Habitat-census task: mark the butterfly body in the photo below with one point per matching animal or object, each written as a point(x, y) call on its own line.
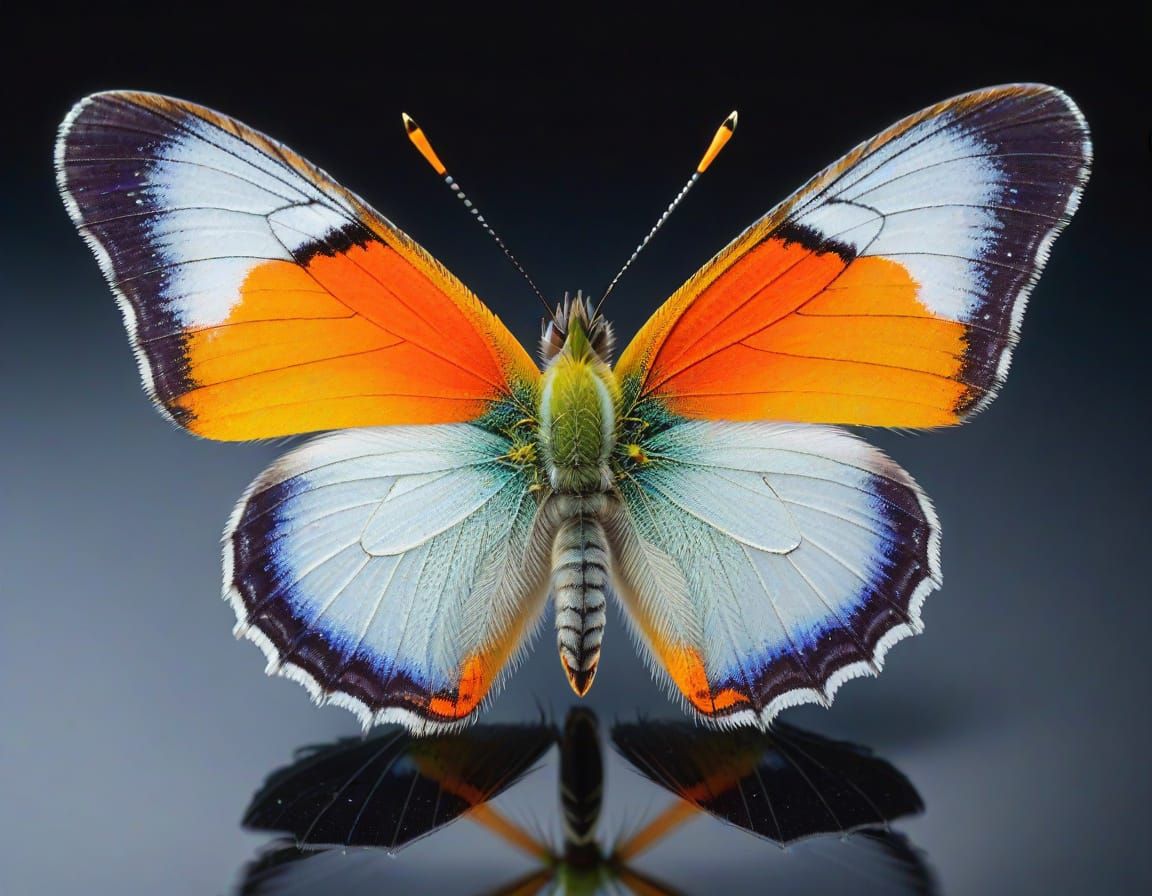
point(397, 563)
point(577, 435)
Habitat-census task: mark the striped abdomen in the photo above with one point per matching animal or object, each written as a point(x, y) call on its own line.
point(580, 568)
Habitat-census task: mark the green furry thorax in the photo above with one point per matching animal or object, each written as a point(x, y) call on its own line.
point(578, 422)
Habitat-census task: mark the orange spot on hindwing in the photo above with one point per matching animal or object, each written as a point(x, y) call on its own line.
point(687, 671)
point(474, 684)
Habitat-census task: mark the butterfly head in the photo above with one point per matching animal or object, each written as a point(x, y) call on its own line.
point(576, 329)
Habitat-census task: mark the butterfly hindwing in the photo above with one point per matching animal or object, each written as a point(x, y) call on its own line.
point(395, 571)
point(262, 298)
point(765, 564)
point(890, 289)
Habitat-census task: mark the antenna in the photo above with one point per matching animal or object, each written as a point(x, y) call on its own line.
point(420, 141)
point(722, 136)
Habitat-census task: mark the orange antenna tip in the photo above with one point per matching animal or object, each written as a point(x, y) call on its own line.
point(420, 141)
point(722, 136)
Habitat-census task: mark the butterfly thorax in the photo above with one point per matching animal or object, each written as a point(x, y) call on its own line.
point(578, 399)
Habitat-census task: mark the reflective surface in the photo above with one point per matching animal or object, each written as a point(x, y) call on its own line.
point(135, 729)
point(784, 786)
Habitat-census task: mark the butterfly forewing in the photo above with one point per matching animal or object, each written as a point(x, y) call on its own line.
point(889, 290)
point(262, 298)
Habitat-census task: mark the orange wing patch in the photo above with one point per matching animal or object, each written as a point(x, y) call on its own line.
point(358, 338)
point(789, 333)
point(479, 673)
point(686, 669)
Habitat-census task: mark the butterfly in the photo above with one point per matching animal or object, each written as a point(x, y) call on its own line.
point(398, 564)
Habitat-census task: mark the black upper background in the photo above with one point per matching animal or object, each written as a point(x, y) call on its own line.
point(135, 729)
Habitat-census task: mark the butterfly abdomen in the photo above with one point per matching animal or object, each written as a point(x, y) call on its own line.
point(580, 571)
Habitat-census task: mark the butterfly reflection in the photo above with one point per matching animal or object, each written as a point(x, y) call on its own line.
point(392, 789)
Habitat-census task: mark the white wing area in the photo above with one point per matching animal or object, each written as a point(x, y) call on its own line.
point(969, 202)
point(774, 624)
point(394, 571)
point(202, 201)
point(738, 503)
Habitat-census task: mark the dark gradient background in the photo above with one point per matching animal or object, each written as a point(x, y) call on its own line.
point(135, 728)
